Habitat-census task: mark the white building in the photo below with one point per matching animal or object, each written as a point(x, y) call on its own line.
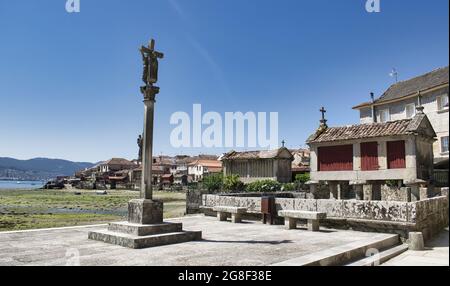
point(201, 168)
point(400, 102)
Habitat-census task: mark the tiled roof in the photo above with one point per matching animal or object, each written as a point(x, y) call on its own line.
point(394, 128)
point(412, 86)
point(207, 163)
point(270, 154)
point(118, 161)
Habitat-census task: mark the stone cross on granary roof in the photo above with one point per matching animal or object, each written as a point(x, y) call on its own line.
point(323, 121)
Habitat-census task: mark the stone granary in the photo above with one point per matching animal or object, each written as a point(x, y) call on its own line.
point(259, 165)
point(369, 156)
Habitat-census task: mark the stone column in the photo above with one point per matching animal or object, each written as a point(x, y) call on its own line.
point(415, 193)
point(359, 193)
point(423, 193)
point(146, 210)
point(367, 192)
point(147, 152)
point(333, 191)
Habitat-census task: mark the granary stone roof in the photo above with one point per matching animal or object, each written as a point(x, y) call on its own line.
point(419, 124)
point(412, 86)
point(282, 153)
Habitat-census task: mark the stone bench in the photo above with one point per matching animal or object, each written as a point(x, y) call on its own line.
point(236, 213)
point(313, 218)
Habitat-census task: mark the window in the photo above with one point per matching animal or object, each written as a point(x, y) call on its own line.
point(444, 144)
point(384, 115)
point(410, 110)
point(442, 102)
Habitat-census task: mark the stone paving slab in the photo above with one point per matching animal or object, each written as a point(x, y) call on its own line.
point(223, 244)
point(436, 254)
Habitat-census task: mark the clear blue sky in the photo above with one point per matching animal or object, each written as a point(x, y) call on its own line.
point(69, 83)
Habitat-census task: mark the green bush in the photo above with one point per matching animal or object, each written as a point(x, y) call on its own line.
point(289, 187)
point(213, 183)
point(302, 178)
point(263, 186)
point(232, 183)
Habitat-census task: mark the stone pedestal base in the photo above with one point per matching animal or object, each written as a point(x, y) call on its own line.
point(145, 228)
point(145, 211)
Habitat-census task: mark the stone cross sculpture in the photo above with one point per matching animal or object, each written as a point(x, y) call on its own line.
point(145, 226)
point(150, 58)
point(149, 77)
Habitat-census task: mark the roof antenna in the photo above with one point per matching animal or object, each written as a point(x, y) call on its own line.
point(394, 74)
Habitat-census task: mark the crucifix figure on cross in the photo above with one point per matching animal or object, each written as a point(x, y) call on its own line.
point(150, 58)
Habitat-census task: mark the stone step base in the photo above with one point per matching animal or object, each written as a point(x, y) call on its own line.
point(344, 254)
point(382, 257)
point(137, 242)
point(144, 230)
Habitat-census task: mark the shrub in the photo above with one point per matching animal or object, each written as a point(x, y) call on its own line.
point(263, 186)
point(213, 183)
point(289, 187)
point(302, 178)
point(232, 183)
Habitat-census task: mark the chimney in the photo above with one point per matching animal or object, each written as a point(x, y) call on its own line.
point(374, 113)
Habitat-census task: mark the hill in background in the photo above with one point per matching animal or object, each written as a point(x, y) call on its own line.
point(38, 168)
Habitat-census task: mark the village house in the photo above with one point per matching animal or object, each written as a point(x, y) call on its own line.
point(203, 167)
point(115, 164)
point(252, 166)
point(367, 156)
point(300, 164)
point(400, 101)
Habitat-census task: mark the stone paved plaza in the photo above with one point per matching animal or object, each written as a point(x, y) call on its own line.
point(224, 243)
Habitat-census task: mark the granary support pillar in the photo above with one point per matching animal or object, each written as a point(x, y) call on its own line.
point(333, 190)
point(367, 192)
point(358, 187)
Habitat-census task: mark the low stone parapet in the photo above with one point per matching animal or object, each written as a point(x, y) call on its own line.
point(428, 216)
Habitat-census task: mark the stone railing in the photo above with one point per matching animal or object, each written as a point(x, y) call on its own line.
point(428, 216)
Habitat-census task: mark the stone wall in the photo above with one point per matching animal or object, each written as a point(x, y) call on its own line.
point(396, 194)
point(429, 216)
point(194, 201)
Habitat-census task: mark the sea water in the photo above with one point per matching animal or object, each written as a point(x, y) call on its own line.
point(21, 184)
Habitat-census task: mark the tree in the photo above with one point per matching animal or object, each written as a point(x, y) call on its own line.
point(213, 183)
point(302, 178)
point(232, 183)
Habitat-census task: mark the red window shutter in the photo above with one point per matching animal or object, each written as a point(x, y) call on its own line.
point(396, 155)
point(369, 156)
point(336, 158)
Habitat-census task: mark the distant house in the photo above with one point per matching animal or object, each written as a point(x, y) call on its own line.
point(180, 179)
point(115, 164)
point(259, 165)
point(167, 179)
point(372, 154)
point(401, 99)
point(203, 167)
point(300, 164)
